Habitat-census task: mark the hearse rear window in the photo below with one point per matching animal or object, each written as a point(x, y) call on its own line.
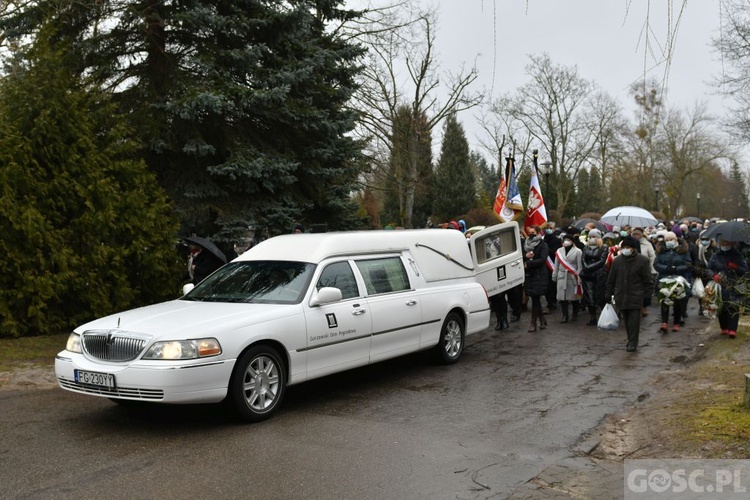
point(384, 275)
point(496, 244)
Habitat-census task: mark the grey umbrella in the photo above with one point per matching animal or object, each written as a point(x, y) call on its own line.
point(208, 245)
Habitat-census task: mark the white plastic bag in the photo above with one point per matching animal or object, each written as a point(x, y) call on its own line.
point(608, 319)
point(698, 289)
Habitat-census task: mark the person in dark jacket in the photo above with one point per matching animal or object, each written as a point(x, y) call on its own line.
point(706, 248)
point(537, 274)
point(201, 263)
point(691, 275)
point(728, 268)
point(594, 274)
point(672, 259)
point(553, 241)
point(628, 281)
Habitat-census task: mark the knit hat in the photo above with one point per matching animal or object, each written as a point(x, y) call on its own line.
point(669, 235)
point(629, 241)
point(595, 233)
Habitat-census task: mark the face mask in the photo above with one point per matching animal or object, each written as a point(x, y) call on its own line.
point(626, 251)
point(725, 248)
point(549, 231)
point(671, 244)
point(592, 242)
point(705, 243)
point(623, 233)
point(567, 243)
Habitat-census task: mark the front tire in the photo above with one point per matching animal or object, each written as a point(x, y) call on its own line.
point(258, 383)
point(452, 336)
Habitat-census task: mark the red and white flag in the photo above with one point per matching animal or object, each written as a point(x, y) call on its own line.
point(508, 204)
point(501, 198)
point(536, 213)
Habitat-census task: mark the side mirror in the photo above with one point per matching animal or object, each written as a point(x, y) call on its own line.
point(186, 288)
point(325, 295)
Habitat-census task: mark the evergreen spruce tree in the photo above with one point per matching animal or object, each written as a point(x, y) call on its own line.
point(488, 179)
point(454, 183)
point(86, 229)
point(739, 191)
point(240, 106)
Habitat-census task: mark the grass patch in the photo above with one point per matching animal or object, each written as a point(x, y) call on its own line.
point(712, 415)
point(30, 350)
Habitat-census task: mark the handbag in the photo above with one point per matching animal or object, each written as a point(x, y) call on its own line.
point(608, 319)
point(698, 289)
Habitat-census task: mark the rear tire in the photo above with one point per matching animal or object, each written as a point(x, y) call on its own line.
point(258, 383)
point(452, 336)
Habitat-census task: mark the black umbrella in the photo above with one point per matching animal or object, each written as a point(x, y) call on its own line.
point(581, 223)
point(692, 219)
point(208, 245)
point(729, 231)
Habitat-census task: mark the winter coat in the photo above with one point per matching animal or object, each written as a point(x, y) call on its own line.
point(647, 249)
point(594, 275)
point(630, 281)
point(537, 273)
point(673, 262)
point(567, 281)
point(732, 266)
point(204, 264)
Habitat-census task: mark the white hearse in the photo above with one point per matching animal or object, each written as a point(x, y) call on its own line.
point(293, 308)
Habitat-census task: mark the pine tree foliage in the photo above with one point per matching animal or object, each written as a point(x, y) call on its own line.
point(86, 229)
point(240, 104)
point(455, 182)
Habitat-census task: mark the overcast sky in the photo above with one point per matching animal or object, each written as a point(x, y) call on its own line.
point(605, 39)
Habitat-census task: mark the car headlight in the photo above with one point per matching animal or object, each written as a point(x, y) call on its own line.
point(74, 343)
point(184, 349)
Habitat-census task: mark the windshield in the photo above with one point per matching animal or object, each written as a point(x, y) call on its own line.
point(259, 281)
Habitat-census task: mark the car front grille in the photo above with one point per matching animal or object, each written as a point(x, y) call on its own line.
point(121, 392)
point(111, 345)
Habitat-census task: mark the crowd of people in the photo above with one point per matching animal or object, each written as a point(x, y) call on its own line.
point(582, 269)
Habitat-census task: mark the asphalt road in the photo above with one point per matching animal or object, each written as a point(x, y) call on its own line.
point(515, 405)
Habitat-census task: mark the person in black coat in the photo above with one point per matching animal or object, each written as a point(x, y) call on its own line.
point(672, 259)
point(201, 263)
point(594, 274)
point(728, 267)
point(537, 274)
point(554, 241)
point(628, 281)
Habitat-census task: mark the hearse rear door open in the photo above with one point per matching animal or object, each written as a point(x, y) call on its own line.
point(497, 257)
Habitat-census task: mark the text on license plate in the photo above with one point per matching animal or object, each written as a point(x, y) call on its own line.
point(94, 378)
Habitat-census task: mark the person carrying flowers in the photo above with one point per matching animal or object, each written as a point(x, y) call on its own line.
point(729, 268)
point(673, 266)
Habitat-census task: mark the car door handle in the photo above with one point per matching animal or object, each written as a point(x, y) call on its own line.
point(411, 302)
point(358, 312)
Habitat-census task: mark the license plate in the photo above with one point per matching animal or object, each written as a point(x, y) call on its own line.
point(94, 378)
